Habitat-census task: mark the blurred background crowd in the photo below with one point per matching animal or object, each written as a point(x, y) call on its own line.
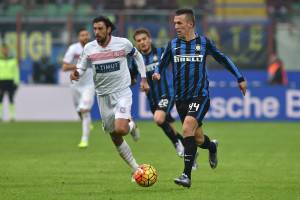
point(261, 36)
point(38, 31)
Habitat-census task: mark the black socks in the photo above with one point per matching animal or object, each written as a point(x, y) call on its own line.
point(169, 132)
point(190, 149)
point(208, 145)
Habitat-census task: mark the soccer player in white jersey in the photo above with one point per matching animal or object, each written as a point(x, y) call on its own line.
point(83, 91)
point(107, 56)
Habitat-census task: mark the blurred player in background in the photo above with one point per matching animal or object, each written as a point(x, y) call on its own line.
point(161, 94)
point(276, 71)
point(83, 90)
point(108, 57)
point(9, 79)
point(188, 52)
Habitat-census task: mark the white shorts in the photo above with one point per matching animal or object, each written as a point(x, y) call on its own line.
point(114, 106)
point(83, 97)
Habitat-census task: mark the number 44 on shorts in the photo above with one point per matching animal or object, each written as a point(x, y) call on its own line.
point(194, 107)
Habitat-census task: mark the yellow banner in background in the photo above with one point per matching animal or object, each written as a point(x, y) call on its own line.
point(35, 44)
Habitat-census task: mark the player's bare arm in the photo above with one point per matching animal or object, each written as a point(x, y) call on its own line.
point(243, 87)
point(68, 66)
point(144, 85)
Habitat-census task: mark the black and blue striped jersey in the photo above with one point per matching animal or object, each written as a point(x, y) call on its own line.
point(188, 60)
point(158, 89)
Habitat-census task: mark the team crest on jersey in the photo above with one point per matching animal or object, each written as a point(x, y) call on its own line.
point(122, 110)
point(155, 58)
point(198, 47)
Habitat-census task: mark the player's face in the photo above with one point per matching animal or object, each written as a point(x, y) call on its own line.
point(84, 37)
point(101, 32)
point(182, 25)
point(143, 42)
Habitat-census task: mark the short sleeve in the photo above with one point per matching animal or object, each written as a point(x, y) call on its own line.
point(129, 48)
point(69, 55)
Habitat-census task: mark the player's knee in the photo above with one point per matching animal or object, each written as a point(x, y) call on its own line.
point(159, 117)
point(159, 120)
point(187, 131)
point(83, 111)
point(189, 127)
point(122, 130)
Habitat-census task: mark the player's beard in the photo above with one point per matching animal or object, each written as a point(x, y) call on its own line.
point(84, 42)
point(103, 41)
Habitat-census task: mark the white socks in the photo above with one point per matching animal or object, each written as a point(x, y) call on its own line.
point(125, 152)
point(86, 126)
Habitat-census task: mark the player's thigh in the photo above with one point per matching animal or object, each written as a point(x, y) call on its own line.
point(198, 108)
point(87, 99)
point(159, 116)
point(189, 126)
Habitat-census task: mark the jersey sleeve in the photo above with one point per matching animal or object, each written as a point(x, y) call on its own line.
point(82, 63)
point(165, 59)
point(69, 55)
point(223, 59)
point(130, 50)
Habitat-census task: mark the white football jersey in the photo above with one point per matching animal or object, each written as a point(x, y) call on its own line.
point(72, 56)
point(109, 63)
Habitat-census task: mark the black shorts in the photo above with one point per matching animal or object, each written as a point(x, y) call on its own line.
point(7, 86)
point(166, 105)
point(196, 107)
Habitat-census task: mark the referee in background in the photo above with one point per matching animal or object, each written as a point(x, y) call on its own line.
point(9, 80)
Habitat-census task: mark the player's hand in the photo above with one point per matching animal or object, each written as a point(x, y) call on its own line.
point(144, 85)
point(74, 76)
point(133, 81)
point(156, 76)
point(243, 87)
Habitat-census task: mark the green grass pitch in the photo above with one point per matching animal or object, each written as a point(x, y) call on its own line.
point(41, 161)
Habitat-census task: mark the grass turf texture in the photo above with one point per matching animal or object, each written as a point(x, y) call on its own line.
point(42, 161)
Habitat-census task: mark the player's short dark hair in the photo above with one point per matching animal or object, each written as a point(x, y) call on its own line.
point(188, 12)
point(80, 30)
point(141, 31)
point(106, 21)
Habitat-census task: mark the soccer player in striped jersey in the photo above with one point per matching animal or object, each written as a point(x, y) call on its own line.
point(83, 91)
point(107, 55)
point(161, 94)
point(187, 53)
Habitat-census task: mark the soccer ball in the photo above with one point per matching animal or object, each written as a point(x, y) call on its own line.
point(145, 175)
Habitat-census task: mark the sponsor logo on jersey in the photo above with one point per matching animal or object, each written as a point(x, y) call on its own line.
point(151, 67)
point(188, 58)
point(107, 67)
